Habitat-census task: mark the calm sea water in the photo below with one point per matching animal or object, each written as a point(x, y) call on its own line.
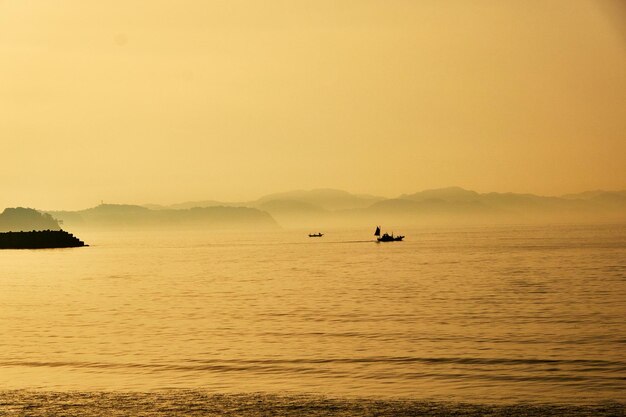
point(495, 315)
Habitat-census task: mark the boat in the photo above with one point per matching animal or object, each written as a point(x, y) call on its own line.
point(320, 234)
point(390, 238)
point(386, 237)
point(39, 239)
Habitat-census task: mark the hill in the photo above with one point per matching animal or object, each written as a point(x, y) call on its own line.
point(119, 216)
point(324, 198)
point(26, 219)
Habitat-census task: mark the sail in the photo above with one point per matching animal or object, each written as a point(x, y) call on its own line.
point(377, 233)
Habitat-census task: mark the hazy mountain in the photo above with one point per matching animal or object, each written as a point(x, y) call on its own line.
point(294, 213)
point(459, 205)
point(618, 197)
point(222, 217)
point(327, 199)
point(205, 203)
point(451, 194)
point(431, 206)
point(155, 206)
point(321, 208)
point(300, 208)
point(524, 202)
point(282, 206)
point(599, 196)
point(195, 204)
point(434, 211)
point(455, 205)
point(26, 219)
point(588, 195)
point(116, 216)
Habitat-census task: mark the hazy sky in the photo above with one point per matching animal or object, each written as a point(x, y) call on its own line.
point(166, 101)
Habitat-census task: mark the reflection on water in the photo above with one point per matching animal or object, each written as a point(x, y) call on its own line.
point(496, 315)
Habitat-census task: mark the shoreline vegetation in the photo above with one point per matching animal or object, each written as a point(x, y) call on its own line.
point(200, 403)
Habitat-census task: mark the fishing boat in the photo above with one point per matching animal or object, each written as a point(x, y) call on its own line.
point(387, 237)
point(320, 234)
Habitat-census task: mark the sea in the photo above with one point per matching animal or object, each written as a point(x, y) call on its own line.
point(485, 320)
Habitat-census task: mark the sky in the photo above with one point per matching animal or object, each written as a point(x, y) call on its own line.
point(128, 101)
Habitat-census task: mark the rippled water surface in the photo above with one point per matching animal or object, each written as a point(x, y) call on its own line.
point(495, 315)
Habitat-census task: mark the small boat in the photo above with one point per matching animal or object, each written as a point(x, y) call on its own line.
point(387, 237)
point(320, 234)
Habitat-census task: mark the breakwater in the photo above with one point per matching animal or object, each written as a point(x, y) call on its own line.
point(39, 239)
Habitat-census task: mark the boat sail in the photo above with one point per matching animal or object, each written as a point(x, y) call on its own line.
point(377, 232)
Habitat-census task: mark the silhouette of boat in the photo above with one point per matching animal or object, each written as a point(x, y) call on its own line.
point(387, 237)
point(316, 234)
point(39, 239)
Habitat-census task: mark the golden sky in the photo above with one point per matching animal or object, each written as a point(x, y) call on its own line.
point(163, 101)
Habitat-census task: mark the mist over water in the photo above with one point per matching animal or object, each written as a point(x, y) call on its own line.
point(496, 315)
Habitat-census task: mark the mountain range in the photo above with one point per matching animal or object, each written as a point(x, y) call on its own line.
point(455, 205)
point(323, 208)
point(123, 216)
